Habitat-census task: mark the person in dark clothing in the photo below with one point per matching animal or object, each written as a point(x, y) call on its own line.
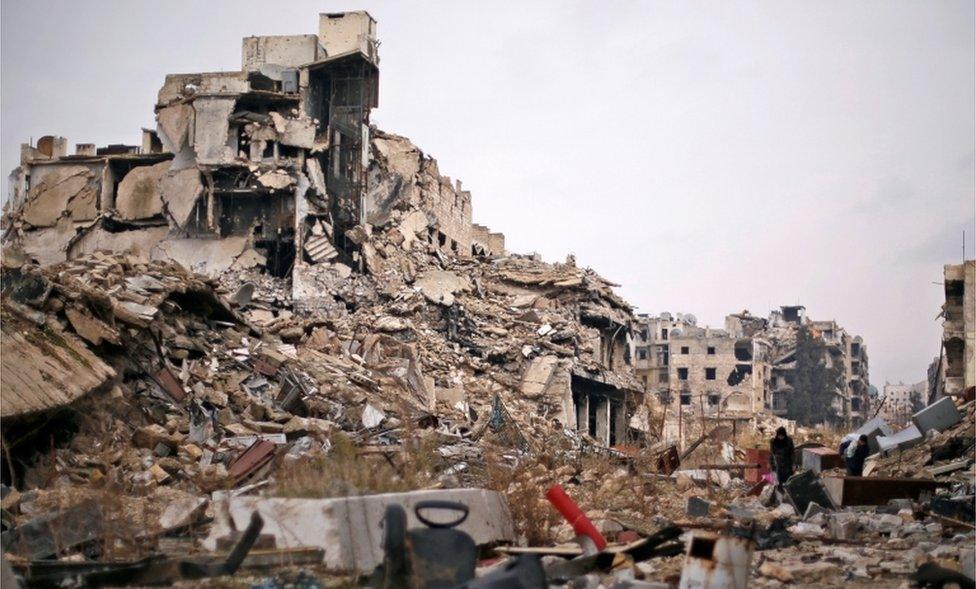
point(781, 455)
point(855, 460)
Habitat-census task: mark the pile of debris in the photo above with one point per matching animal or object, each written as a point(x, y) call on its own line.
point(194, 403)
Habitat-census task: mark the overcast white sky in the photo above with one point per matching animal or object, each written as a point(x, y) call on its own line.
point(708, 156)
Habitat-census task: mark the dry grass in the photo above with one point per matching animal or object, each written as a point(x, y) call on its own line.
point(345, 471)
point(524, 485)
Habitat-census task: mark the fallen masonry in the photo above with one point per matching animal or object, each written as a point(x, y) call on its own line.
point(270, 345)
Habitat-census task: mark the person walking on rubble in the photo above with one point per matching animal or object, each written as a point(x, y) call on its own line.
point(854, 456)
point(781, 455)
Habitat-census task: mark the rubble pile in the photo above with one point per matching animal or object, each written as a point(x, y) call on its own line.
point(187, 387)
point(942, 455)
point(268, 343)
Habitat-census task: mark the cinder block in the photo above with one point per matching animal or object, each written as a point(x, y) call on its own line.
point(939, 416)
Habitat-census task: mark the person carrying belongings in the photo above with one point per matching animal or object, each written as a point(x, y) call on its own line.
point(781, 455)
point(845, 442)
point(854, 456)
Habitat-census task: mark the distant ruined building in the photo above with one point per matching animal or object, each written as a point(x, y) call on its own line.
point(953, 373)
point(735, 374)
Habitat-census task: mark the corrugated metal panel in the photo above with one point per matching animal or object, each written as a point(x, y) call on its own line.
point(44, 368)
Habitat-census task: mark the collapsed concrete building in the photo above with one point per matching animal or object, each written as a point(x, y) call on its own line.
point(851, 402)
point(277, 159)
point(271, 181)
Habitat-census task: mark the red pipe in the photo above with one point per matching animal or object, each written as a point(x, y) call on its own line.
point(575, 516)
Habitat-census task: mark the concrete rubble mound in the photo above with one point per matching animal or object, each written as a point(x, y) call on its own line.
point(270, 345)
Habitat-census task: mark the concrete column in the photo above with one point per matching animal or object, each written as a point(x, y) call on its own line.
point(582, 413)
point(602, 420)
point(619, 422)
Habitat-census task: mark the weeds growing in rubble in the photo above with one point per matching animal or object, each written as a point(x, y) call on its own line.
point(345, 470)
point(524, 484)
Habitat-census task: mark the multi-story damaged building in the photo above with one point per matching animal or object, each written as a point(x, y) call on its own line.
point(700, 373)
point(652, 348)
point(274, 165)
point(954, 372)
point(273, 175)
point(901, 401)
point(851, 402)
point(746, 369)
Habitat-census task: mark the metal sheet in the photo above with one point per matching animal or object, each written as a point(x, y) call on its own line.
point(167, 381)
point(258, 454)
point(846, 491)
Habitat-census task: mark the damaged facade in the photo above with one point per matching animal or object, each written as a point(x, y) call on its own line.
point(742, 372)
point(954, 372)
point(271, 181)
point(902, 400)
point(273, 166)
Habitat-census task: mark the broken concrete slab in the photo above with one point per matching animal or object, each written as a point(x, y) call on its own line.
point(182, 512)
point(210, 129)
point(411, 225)
point(174, 125)
point(179, 191)
point(50, 245)
point(134, 313)
point(350, 528)
point(50, 197)
point(209, 257)
point(276, 180)
point(45, 371)
point(537, 375)
point(137, 196)
point(872, 429)
point(906, 438)
point(136, 242)
point(294, 132)
point(439, 286)
point(90, 328)
point(938, 416)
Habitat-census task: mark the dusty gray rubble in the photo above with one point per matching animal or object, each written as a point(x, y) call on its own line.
point(236, 349)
